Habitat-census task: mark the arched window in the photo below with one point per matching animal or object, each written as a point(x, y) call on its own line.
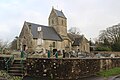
point(53, 44)
point(84, 47)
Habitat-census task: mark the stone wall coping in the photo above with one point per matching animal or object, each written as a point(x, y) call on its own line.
point(105, 52)
point(73, 58)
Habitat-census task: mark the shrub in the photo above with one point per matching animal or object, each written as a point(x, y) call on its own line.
point(102, 48)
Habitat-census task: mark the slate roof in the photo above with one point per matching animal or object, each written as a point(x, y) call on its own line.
point(59, 13)
point(77, 42)
point(49, 33)
point(75, 38)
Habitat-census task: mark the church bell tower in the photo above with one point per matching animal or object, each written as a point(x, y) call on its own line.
point(58, 21)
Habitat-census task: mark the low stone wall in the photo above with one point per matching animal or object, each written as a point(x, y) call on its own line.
point(52, 68)
point(68, 68)
point(108, 63)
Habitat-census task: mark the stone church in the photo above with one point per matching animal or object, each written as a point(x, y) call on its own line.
point(34, 37)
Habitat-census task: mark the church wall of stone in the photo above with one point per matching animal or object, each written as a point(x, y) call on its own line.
point(47, 44)
point(66, 45)
point(34, 43)
point(83, 46)
point(25, 38)
point(60, 25)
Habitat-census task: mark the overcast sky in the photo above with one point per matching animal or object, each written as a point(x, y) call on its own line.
point(90, 16)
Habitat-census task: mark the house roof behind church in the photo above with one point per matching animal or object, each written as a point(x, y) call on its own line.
point(59, 13)
point(48, 32)
point(76, 38)
point(77, 41)
point(73, 36)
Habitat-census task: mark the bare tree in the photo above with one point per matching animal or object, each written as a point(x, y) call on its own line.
point(74, 30)
point(112, 34)
point(3, 45)
point(13, 45)
point(111, 37)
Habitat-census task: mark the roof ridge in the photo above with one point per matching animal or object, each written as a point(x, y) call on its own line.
point(57, 10)
point(59, 13)
point(37, 24)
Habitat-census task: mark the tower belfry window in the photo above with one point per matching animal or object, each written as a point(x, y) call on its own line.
point(52, 21)
point(62, 22)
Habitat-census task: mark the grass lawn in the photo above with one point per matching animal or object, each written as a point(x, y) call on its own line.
point(110, 72)
point(5, 75)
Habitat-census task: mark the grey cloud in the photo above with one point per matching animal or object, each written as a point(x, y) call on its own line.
point(90, 16)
